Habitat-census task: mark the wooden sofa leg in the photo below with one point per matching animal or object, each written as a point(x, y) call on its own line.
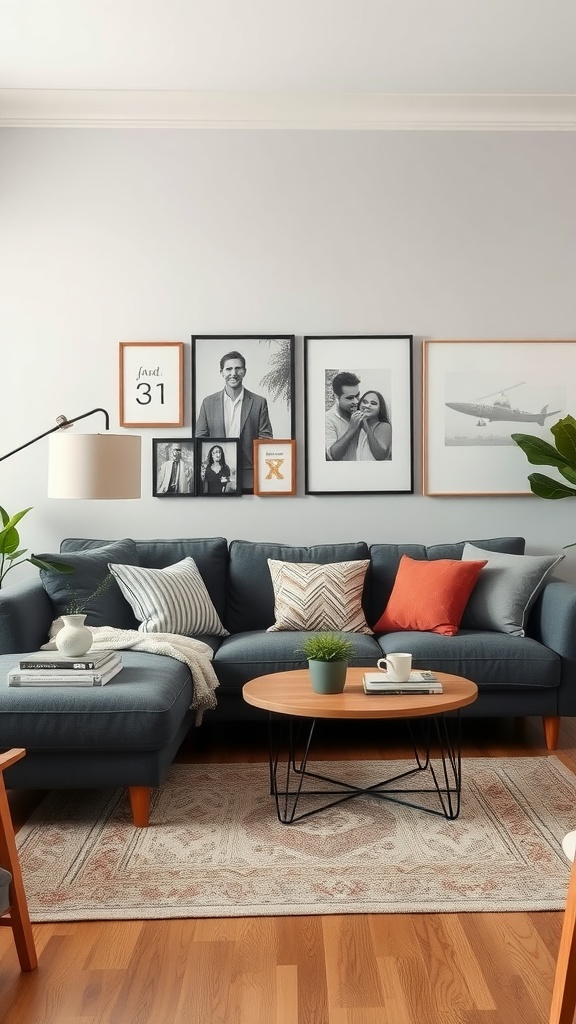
point(140, 804)
point(551, 725)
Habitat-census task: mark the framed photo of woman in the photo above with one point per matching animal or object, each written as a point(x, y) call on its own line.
point(218, 467)
point(358, 414)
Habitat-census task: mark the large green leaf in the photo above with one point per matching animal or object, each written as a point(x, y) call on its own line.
point(42, 563)
point(539, 452)
point(9, 540)
point(565, 437)
point(569, 474)
point(546, 487)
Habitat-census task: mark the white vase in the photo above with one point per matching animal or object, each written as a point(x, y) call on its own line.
point(74, 639)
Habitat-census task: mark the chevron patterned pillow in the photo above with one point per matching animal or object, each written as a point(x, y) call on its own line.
point(325, 597)
point(171, 600)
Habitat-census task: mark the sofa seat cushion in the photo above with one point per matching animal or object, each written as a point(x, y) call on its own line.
point(141, 708)
point(256, 653)
point(488, 659)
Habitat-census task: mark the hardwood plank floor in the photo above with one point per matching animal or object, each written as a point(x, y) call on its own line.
point(351, 969)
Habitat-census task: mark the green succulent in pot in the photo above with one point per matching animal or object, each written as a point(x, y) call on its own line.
point(11, 554)
point(561, 455)
point(328, 655)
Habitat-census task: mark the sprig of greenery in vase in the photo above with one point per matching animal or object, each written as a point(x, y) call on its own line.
point(77, 605)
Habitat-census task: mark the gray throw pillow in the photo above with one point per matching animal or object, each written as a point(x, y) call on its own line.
point(505, 589)
point(103, 603)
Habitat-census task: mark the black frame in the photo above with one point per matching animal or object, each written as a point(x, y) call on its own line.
point(384, 363)
point(158, 443)
point(272, 353)
point(229, 445)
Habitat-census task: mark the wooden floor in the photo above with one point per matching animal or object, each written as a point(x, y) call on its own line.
point(374, 969)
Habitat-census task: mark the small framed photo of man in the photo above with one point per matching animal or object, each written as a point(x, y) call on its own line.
point(358, 414)
point(219, 467)
point(243, 386)
point(173, 467)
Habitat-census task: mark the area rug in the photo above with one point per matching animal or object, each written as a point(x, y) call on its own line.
point(214, 847)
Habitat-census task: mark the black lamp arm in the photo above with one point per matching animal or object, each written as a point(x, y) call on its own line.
point(61, 423)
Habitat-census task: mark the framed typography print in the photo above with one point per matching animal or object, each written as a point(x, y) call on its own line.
point(151, 384)
point(218, 467)
point(476, 395)
point(173, 467)
point(358, 414)
point(243, 386)
point(274, 468)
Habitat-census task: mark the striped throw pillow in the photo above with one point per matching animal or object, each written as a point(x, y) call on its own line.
point(325, 597)
point(171, 600)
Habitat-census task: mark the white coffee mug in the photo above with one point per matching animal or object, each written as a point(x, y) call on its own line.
point(397, 667)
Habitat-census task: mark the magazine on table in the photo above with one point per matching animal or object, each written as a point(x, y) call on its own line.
point(421, 681)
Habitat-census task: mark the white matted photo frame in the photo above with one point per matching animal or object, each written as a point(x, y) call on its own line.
point(218, 467)
point(173, 467)
point(476, 394)
point(274, 468)
point(261, 365)
point(358, 414)
point(151, 383)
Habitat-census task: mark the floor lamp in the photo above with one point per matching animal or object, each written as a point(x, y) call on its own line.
point(90, 465)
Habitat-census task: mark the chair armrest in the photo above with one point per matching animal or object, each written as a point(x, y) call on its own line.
point(26, 615)
point(553, 623)
point(10, 756)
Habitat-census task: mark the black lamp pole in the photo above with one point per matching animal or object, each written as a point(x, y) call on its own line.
point(61, 423)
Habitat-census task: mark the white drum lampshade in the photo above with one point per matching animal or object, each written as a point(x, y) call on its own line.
point(94, 465)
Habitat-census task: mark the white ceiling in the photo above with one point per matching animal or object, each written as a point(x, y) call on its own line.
point(285, 50)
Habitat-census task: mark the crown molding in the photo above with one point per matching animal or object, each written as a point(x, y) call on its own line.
point(101, 108)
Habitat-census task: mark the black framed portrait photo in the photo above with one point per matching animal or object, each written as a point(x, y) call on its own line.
point(219, 467)
point(173, 467)
point(243, 386)
point(358, 414)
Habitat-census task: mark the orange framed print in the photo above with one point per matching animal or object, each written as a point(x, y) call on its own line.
point(476, 396)
point(151, 383)
point(274, 468)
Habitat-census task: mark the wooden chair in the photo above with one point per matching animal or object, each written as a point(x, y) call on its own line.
point(564, 990)
point(13, 905)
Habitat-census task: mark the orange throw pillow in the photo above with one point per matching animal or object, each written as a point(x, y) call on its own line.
point(429, 596)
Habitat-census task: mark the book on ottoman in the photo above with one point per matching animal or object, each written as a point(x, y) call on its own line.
point(56, 676)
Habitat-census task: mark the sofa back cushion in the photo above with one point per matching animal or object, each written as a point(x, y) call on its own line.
point(209, 553)
point(251, 595)
point(385, 559)
point(90, 584)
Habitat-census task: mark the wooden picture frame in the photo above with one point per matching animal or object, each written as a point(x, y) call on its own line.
point(167, 481)
point(151, 383)
point(274, 468)
point(213, 484)
point(476, 394)
point(342, 456)
point(268, 382)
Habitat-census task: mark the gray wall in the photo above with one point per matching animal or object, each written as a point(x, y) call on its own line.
point(113, 235)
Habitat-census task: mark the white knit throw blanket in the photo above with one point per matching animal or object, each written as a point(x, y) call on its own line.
point(194, 653)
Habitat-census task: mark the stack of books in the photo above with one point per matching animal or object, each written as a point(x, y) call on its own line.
point(50, 668)
point(419, 682)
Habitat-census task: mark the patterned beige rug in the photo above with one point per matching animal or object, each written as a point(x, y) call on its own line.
point(215, 849)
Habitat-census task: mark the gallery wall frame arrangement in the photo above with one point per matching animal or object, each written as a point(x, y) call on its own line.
point(476, 394)
point(261, 364)
point(358, 410)
point(151, 383)
point(173, 467)
point(274, 468)
point(218, 467)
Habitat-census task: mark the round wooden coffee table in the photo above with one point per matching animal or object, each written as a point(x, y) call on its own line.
point(433, 721)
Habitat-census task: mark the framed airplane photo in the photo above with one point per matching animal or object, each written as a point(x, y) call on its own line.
point(476, 395)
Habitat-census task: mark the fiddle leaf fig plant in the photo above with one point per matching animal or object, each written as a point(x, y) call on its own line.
point(561, 455)
point(11, 554)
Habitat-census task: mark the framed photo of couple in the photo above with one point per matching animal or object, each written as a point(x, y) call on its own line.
point(358, 414)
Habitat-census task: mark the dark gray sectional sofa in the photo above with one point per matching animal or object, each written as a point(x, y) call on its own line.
point(128, 732)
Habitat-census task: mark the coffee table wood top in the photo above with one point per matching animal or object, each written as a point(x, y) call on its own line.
point(291, 693)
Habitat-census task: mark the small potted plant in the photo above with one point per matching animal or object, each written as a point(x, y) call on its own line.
point(328, 656)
